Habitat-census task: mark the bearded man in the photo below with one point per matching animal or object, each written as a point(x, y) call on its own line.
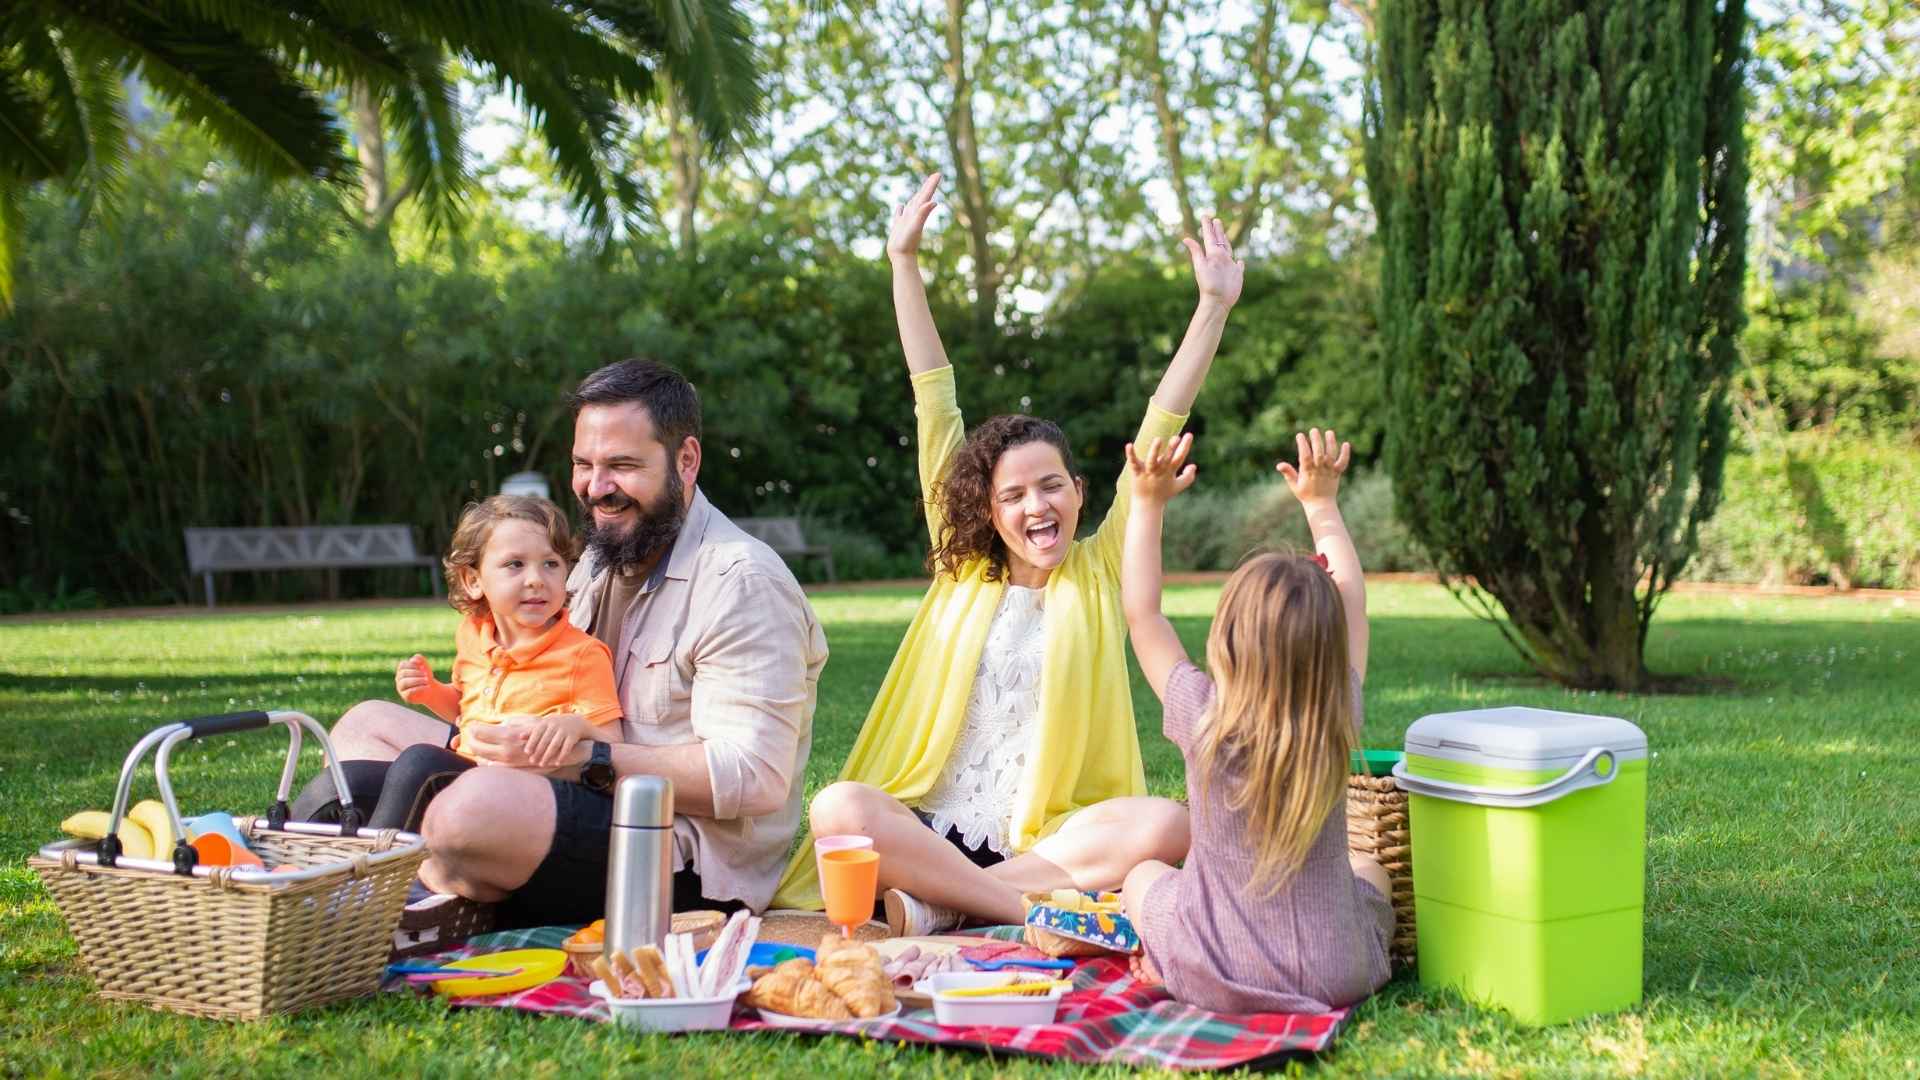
point(716, 655)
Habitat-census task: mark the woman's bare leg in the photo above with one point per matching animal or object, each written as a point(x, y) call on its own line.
point(1094, 849)
point(913, 857)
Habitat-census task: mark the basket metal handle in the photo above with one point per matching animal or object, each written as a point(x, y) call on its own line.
point(167, 736)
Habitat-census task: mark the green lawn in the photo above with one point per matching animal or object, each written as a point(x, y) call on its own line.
point(1783, 897)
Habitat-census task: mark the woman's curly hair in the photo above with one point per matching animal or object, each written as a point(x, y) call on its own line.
point(962, 498)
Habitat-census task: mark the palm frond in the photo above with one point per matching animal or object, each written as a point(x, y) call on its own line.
point(514, 36)
point(10, 220)
point(31, 144)
point(579, 126)
point(424, 115)
point(705, 48)
point(244, 96)
point(86, 115)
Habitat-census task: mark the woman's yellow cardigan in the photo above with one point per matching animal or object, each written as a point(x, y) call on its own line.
point(1086, 748)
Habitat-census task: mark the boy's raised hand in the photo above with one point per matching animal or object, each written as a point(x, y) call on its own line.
point(412, 677)
point(910, 220)
point(1162, 472)
point(1215, 270)
point(1317, 477)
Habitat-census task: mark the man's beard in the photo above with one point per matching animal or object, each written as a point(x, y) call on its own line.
point(652, 532)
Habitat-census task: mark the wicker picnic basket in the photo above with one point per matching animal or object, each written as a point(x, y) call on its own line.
point(235, 943)
point(1377, 827)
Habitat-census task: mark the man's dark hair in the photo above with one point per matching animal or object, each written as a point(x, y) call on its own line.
point(670, 399)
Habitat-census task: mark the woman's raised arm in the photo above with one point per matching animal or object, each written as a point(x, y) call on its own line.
point(1219, 276)
point(919, 339)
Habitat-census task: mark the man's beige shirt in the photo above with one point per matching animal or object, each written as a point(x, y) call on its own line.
point(720, 648)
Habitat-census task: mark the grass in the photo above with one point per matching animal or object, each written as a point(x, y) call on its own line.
point(1783, 862)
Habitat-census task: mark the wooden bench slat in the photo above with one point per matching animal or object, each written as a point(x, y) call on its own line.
point(313, 547)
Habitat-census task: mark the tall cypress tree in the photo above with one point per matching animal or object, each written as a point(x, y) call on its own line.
point(1561, 190)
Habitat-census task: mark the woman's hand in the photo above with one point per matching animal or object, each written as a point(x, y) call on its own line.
point(1317, 478)
point(1215, 270)
point(910, 220)
point(1162, 472)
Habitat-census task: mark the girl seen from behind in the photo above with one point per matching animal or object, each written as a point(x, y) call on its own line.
point(1270, 913)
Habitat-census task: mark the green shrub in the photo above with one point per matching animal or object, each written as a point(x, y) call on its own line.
point(1812, 511)
point(1213, 529)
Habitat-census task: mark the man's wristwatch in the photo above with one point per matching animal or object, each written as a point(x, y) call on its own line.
point(597, 773)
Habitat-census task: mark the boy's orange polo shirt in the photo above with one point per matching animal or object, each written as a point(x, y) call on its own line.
point(563, 670)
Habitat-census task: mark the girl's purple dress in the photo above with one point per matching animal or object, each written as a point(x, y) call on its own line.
point(1318, 943)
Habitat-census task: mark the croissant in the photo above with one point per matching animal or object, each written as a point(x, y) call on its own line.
point(775, 990)
point(856, 975)
point(796, 993)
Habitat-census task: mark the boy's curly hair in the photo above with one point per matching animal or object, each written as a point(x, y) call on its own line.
point(476, 525)
point(962, 497)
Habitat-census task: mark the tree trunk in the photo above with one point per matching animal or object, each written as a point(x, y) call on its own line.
point(968, 182)
point(1170, 127)
point(684, 148)
point(379, 199)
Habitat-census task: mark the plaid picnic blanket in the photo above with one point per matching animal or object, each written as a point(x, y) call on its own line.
point(1106, 1018)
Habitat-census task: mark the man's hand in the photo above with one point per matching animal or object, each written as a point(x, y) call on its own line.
point(1317, 477)
point(1215, 270)
point(910, 220)
point(1162, 472)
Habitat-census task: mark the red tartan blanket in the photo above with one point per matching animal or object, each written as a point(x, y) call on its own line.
point(1106, 1018)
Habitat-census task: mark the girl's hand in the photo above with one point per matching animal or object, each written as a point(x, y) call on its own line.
point(1317, 477)
point(412, 677)
point(910, 220)
point(1163, 471)
point(1215, 270)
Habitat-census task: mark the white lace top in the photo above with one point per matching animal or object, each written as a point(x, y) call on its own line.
point(974, 793)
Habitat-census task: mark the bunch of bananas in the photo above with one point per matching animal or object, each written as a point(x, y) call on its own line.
point(145, 833)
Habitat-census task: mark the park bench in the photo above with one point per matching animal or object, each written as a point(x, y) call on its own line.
point(783, 535)
point(309, 547)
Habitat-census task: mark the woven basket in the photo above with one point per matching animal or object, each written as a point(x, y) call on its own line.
point(226, 942)
point(1377, 828)
point(208, 946)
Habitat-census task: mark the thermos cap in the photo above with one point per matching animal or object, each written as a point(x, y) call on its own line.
point(644, 802)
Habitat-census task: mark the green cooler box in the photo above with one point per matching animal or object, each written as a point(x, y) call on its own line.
point(1529, 833)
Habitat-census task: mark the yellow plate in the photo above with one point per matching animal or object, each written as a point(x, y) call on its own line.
point(536, 966)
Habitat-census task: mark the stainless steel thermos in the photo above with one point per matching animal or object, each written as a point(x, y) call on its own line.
point(640, 861)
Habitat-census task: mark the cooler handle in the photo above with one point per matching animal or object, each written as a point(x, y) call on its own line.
point(1596, 768)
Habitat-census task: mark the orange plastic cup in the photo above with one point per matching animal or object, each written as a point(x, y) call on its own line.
point(216, 850)
point(848, 880)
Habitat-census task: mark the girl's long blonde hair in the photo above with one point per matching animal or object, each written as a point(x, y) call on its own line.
point(1282, 712)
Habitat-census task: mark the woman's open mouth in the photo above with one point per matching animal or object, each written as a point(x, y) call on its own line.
point(1043, 537)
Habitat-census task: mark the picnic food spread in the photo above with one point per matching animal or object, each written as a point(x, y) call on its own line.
point(673, 970)
point(844, 981)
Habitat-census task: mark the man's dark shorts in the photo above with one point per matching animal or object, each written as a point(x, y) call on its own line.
point(568, 888)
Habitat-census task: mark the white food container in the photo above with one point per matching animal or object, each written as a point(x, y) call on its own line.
point(671, 1014)
point(1012, 1010)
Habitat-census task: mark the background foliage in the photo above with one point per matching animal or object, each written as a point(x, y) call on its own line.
point(210, 350)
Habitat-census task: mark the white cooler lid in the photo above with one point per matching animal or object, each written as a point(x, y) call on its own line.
point(1518, 737)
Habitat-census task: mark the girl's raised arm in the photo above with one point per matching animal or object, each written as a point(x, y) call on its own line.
point(1159, 472)
point(919, 339)
point(1316, 483)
